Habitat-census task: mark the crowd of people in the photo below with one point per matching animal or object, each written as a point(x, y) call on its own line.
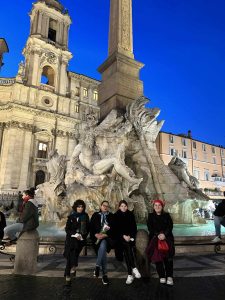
point(109, 231)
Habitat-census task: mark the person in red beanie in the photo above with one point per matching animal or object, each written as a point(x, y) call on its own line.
point(160, 226)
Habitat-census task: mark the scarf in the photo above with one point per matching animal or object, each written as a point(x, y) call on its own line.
point(103, 218)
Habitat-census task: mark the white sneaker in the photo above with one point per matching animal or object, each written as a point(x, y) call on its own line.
point(162, 280)
point(130, 279)
point(169, 281)
point(136, 273)
point(216, 240)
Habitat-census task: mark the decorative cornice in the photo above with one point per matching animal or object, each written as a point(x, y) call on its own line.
point(38, 112)
point(20, 125)
point(84, 78)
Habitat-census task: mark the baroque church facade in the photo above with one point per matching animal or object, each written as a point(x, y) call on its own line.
point(41, 108)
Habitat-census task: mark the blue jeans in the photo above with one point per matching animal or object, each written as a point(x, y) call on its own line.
point(218, 221)
point(13, 230)
point(102, 256)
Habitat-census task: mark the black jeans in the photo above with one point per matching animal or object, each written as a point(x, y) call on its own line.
point(129, 256)
point(165, 268)
point(73, 255)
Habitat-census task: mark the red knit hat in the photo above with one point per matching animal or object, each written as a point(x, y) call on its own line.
point(159, 201)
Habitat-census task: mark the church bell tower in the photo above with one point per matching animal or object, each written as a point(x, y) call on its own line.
point(46, 51)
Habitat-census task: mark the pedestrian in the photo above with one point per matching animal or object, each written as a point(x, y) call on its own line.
point(2, 224)
point(160, 226)
point(20, 202)
point(26, 222)
point(102, 238)
point(125, 230)
point(77, 229)
point(219, 219)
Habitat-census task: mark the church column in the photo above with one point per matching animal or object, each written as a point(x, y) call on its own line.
point(39, 27)
point(27, 142)
point(7, 158)
point(35, 73)
point(63, 78)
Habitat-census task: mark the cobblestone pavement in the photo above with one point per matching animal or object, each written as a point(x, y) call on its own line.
point(197, 277)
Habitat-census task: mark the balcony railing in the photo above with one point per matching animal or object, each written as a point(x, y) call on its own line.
point(7, 81)
point(47, 87)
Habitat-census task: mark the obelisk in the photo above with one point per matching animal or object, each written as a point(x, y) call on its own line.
point(120, 72)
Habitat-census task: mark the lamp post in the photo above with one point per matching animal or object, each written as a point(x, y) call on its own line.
point(3, 48)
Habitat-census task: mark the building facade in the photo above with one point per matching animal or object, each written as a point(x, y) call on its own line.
point(204, 161)
point(42, 106)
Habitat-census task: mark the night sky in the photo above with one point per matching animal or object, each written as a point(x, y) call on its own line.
point(181, 43)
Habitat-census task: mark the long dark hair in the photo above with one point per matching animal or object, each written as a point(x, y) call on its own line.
point(123, 202)
point(78, 203)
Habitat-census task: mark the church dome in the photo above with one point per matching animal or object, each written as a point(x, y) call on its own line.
point(55, 4)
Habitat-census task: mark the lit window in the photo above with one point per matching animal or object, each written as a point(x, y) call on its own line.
point(171, 138)
point(42, 150)
point(194, 145)
point(206, 175)
point(85, 92)
point(77, 93)
point(172, 151)
point(95, 95)
point(184, 154)
point(203, 147)
point(184, 142)
point(195, 155)
point(196, 173)
point(77, 108)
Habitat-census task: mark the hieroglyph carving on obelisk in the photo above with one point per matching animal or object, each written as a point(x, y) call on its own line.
point(121, 32)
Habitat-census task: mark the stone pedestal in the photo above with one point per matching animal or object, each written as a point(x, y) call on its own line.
point(143, 263)
point(26, 253)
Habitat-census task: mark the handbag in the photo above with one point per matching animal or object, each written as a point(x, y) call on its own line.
point(163, 246)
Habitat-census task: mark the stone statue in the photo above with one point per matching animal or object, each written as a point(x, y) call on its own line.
point(179, 167)
point(57, 168)
point(105, 172)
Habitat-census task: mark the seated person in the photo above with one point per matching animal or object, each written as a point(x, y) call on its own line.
point(27, 221)
point(2, 224)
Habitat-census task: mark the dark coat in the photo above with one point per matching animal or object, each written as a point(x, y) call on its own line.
point(74, 226)
point(160, 224)
point(220, 209)
point(96, 227)
point(2, 224)
point(29, 216)
point(124, 224)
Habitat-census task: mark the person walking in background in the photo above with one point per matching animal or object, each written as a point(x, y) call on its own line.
point(27, 221)
point(219, 219)
point(160, 226)
point(102, 238)
point(2, 224)
point(77, 229)
point(125, 230)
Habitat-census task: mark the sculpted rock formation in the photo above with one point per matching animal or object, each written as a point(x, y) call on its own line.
point(117, 159)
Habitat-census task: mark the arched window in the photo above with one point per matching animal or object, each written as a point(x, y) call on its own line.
point(52, 30)
point(48, 76)
point(40, 177)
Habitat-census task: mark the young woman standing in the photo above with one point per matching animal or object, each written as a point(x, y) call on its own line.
point(125, 230)
point(160, 226)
